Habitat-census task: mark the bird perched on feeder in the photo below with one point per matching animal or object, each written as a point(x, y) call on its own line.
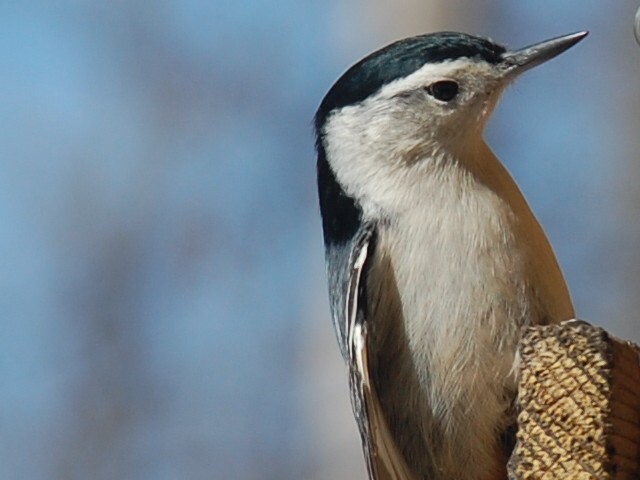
point(434, 259)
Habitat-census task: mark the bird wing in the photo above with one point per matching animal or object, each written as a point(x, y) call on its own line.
point(384, 460)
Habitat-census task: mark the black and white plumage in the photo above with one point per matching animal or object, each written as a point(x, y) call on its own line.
point(434, 259)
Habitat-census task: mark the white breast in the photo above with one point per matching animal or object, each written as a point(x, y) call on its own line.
point(464, 286)
point(455, 278)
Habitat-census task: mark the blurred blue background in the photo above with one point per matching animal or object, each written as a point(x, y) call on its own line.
point(164, 313)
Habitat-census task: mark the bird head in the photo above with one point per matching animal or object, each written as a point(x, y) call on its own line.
point(417, 101)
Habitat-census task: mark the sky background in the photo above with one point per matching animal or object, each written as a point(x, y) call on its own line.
point(164, 309)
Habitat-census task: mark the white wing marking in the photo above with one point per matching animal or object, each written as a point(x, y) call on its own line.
point(384, 460)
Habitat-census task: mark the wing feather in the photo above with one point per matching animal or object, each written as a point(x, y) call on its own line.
point(384, 460)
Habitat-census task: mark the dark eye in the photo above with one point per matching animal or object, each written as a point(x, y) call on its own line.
point(444, 90)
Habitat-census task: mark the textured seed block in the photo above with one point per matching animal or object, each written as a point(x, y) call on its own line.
point(578, 405)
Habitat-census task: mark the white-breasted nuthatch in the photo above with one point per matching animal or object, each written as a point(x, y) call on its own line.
point(435, 261)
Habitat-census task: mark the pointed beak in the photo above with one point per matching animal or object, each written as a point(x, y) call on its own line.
point(516, 62)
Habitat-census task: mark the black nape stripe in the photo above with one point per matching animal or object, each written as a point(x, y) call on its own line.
point(341, 217)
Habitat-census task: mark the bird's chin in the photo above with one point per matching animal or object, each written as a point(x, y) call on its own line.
point(487, 109)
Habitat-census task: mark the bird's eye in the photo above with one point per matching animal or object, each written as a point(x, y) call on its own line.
point(445, 90)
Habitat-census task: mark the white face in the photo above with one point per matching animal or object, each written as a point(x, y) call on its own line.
point(402, 131)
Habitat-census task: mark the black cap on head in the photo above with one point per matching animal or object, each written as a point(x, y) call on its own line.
point(400, 59)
